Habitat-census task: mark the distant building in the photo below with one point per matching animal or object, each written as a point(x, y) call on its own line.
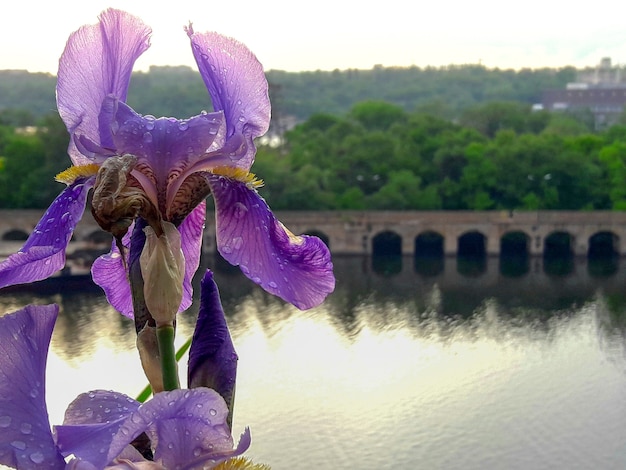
point(601, 90)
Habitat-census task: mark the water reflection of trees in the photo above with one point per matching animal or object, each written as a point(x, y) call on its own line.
point(363, 297)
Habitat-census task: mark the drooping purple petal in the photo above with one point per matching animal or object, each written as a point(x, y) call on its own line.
point(97, 61)
point(44, 252)
point(166, 144)
point(212, 357)
point(237, 85)
point(108, 271)
point(191, 426)
point(25, 438)
point(191, 233)
point(296, 268)
point(91, 424)
point(186, 426)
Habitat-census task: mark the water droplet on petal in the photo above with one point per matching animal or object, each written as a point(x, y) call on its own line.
point(240, 210)
point(20, 445)
point(227, 249)
point(65, 217)
point(273, 285)
point(26, 428)
point(36, 457)
point(237, 243)
point(212, 412)
point(183, 125)
point(147, 137)
point(5, 421)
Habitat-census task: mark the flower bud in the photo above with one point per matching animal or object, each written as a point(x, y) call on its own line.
point(163, 270)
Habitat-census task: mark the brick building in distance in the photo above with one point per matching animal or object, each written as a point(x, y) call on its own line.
point(601, 90)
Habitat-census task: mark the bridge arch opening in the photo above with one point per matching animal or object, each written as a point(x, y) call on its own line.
point(429, 243)
point(472, 244)
point(321, 235)
point(387, 253)
point(603, 245)
point(514, 254)
point(15, 235)
point(558, 254)
point(387, 243)
point(472, 254)
point(429, 253)
point(603, 254)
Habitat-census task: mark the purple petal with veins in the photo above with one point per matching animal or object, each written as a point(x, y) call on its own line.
point(186, 426)
point(237, 85)
point(25, 438)
point(166, 144)
point(97, 61)
point(108, 271)
point(296, 268)
point(44, 251)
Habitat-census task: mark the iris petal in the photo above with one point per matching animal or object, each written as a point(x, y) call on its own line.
point(108, 271)
point(185, 425)
point(236, 82)
point(44, 252)
point(166, 144)
point(91, 423)
point(25, 438)
point(191, 233)
point(97, 61)
point(297, 269)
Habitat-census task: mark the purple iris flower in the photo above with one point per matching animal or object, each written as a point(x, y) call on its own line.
point(163, 169)
point(187, 429)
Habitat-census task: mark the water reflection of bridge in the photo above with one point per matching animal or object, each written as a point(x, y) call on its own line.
point(414, 232)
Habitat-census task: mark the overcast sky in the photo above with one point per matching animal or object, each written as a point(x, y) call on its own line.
point(328, 34)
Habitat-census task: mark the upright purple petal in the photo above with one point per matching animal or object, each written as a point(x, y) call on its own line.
point(97, 61)
point(44, 252)
point(212, 357)
point(237, 85)
point(25, 438)
point(296, 268)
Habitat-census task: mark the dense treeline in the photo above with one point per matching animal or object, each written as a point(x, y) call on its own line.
point(498, 155)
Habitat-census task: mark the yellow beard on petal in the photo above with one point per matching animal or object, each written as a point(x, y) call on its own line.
point(74, 172)
point(238, 174)
point(241, 463)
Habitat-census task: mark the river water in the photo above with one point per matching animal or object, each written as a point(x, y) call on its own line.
point(442, 364)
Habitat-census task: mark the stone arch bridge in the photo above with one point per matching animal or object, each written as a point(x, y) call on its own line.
point(355, 232)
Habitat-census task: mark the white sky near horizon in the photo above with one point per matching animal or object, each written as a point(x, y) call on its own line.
point(336, 34)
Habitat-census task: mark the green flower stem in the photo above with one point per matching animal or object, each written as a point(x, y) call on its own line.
point(165, 338)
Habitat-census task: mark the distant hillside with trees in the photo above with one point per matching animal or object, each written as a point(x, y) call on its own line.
point(179, 91)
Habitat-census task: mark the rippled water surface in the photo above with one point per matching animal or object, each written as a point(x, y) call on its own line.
point(441, 367)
